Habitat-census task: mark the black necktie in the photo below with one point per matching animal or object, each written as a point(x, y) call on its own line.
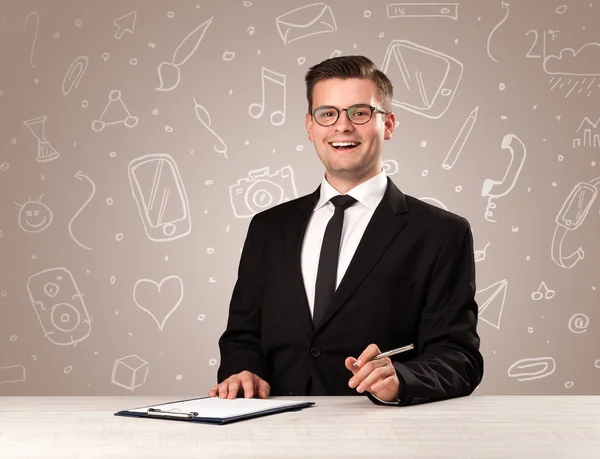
point(328, 260)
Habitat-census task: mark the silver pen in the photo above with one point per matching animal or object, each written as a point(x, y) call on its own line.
point(390, 353)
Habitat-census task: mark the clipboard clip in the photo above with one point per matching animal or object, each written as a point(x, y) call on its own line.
point(159, 412)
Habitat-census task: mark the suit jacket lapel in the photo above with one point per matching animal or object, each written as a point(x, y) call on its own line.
point(386, 222)
point(293, 239)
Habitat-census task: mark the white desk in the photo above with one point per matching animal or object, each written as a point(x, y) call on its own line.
point(342, 427)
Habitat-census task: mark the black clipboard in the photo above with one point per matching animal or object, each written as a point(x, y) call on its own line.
point(271, 406)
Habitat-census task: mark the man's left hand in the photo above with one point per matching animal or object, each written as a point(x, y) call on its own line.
point(376, 376)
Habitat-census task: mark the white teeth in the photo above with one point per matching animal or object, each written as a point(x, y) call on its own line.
point(344, 144)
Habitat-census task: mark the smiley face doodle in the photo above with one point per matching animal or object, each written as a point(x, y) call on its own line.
point(34, 216)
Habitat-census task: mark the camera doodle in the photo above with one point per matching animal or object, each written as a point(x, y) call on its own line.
point(262, 190)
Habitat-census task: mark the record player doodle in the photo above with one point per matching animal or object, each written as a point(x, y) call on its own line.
point(425, 80)
point(59, 306)
point(161, 198)
point(570, 217)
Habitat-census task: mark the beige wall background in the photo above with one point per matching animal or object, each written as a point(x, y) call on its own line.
point(138, 138)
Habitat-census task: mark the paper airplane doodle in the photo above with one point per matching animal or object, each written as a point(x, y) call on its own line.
point(492, 303)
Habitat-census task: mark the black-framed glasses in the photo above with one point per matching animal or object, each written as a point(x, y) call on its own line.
point(327, 115)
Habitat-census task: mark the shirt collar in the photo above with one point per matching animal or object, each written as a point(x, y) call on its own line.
point(368, 193)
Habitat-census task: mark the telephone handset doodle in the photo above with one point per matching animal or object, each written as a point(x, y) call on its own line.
point(499, 188)
point(570, 217)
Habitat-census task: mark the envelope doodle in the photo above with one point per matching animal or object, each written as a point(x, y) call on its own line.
point(305, 21)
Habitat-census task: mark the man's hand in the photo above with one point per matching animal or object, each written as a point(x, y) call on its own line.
point(245, 383)
point(377, 376)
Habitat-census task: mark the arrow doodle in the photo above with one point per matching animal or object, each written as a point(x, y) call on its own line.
point(125, 24)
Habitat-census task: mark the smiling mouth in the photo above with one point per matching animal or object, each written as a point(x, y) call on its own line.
point(38, 225)
point(344, 146)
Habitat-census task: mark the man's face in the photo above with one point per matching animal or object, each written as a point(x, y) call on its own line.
point(364, 160)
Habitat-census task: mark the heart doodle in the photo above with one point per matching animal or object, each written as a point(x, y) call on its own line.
point(160, 300)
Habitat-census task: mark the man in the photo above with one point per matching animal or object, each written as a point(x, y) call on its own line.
point(301, 315)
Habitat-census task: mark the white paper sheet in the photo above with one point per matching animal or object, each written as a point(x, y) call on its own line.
point(215, 407)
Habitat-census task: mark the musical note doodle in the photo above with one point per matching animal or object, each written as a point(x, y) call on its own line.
point(256, 110)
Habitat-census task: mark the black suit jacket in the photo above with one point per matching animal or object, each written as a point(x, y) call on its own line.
point(411, 280)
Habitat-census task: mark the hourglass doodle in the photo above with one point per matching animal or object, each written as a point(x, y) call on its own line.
point(45, 151)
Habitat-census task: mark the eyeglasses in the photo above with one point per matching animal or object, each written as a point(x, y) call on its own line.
point(357, 114)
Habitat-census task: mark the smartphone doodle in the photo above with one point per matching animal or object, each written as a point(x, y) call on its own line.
point(499, 188)
point(160, 195)
point(425, 80)
point(59, 306)
point(570, 217)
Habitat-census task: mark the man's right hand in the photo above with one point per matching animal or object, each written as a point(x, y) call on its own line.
point(245, 383)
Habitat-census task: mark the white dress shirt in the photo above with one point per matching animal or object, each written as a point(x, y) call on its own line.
point(356, 218)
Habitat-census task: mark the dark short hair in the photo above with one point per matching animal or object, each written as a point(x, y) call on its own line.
point(350, 67)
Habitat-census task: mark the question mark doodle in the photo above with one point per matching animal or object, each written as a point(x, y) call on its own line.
point(37, 24)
